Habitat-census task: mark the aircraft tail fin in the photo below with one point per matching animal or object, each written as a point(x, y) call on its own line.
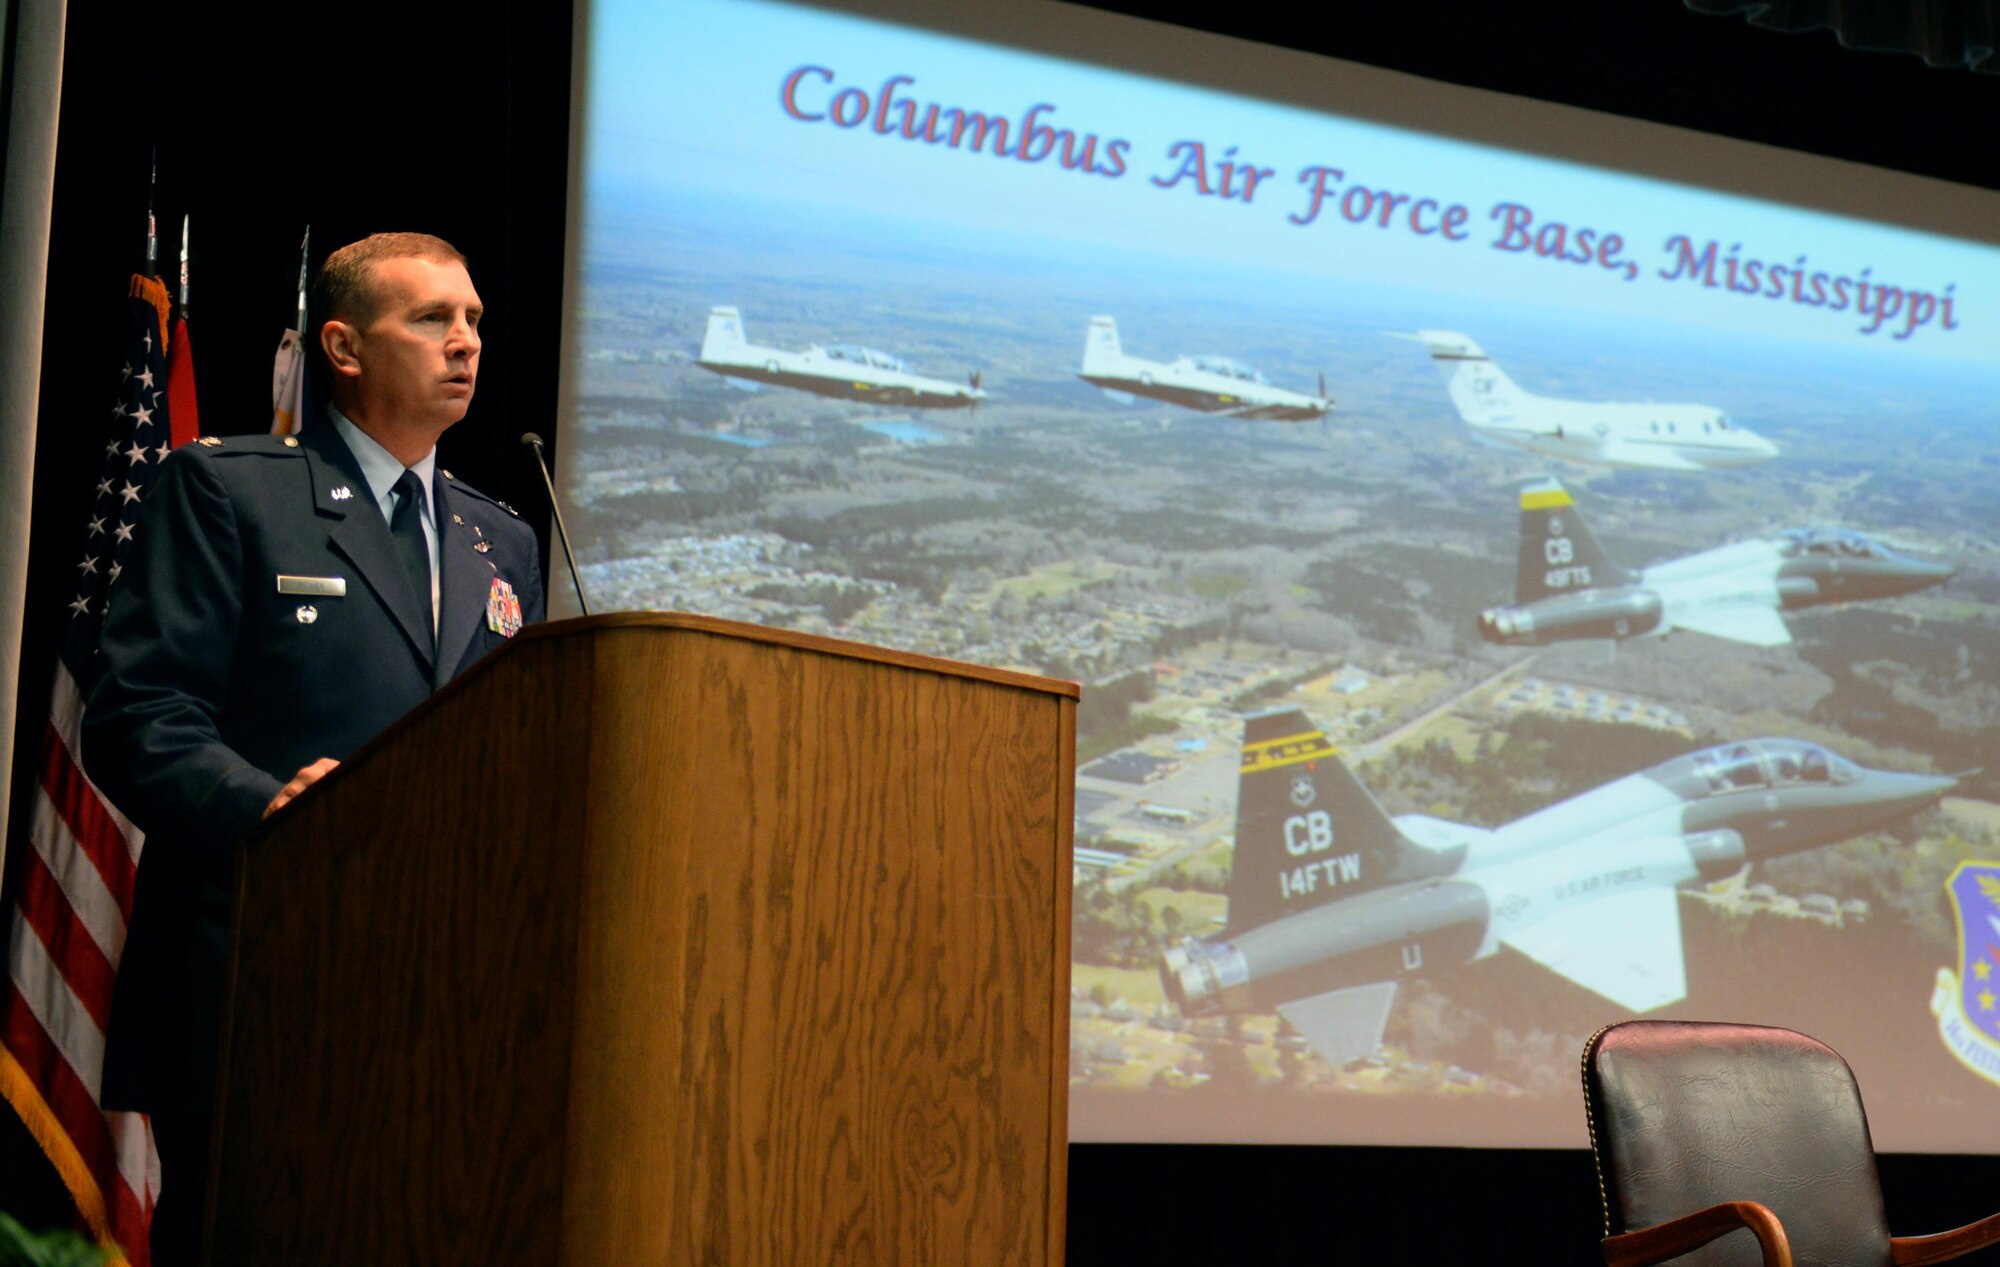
point(1480, 391)
point(1101, 350)
point(1307, 831)
point(724, 334)
point(1559, 552)
point(1343, 1025)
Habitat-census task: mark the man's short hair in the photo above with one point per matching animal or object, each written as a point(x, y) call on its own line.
point(344, 288)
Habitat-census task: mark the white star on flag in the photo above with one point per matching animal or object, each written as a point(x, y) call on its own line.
point(104, 488)
point(118, 410)
point(89, 563)
point(116, 568)
point(146, 378)
point(97, 526)
point(142, 417)
point(124, 531)
point(160, 454)
point(111, 448)
point(136, 453)
point(130, 492)
point(81, 606)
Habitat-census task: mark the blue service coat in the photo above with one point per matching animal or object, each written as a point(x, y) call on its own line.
point(216, 687)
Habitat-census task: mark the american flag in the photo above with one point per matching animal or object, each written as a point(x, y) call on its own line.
point(73, 892)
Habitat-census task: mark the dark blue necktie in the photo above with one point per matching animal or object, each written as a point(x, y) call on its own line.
point(406, 524)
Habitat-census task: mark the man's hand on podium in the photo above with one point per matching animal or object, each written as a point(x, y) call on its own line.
point(304, 779)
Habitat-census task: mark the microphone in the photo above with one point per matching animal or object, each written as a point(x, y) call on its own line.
point(533, 443)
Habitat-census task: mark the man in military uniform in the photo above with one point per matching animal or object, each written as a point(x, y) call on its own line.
point(287, 599)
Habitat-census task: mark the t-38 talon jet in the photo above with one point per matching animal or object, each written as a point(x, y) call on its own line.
point(1566, 588)
point(1660, 437)
point(843, 371)
point(1211, 384)
point(1331, 902)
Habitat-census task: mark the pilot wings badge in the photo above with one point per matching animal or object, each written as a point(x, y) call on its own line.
point(503, 609)
point(1967, 1003)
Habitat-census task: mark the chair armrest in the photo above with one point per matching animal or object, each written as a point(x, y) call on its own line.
point(1915, 1251)
point(1675, 1237)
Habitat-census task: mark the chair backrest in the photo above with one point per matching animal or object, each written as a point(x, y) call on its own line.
point(1686, 1114)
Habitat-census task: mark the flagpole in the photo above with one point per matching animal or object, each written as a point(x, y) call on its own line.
point(305, 254)
point(288, 372)
point(152, 228)
point(184, 266)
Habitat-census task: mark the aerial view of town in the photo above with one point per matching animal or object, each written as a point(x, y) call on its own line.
point(838, 440)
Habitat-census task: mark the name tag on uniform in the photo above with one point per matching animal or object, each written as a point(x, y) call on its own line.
point(316, 586)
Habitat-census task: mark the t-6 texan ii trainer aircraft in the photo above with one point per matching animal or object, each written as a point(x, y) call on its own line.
point(1331, 902)
point(1660, 437)
point(1567, 588)
point(844, 371)
point(1211, 384)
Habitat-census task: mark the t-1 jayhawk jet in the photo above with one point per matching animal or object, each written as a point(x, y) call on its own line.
point(1567, 588)
point(1659, 437)
point(1210, 384)
point(843, 371)
point(1332, 902)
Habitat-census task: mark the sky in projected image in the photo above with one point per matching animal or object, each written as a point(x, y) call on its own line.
point(1447, 695)
point(697, 95)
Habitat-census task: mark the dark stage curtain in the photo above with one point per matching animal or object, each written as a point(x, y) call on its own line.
point(1942, 32)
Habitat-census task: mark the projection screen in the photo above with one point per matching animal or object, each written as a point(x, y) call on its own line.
point(1527, 568)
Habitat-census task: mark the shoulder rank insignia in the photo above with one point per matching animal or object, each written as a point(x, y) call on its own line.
point(509, 509)
point(209, 442)
point(503, 609)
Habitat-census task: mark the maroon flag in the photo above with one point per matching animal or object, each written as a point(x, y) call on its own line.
point(180, 386)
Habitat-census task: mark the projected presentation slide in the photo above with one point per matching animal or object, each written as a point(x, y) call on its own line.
point(1511, 596)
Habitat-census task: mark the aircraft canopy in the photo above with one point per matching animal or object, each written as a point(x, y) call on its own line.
point(1836, 542)
point(1228, 368)
point(1763, 763)
point(866, 356)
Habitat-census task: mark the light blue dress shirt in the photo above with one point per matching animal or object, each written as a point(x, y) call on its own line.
point(382, 469)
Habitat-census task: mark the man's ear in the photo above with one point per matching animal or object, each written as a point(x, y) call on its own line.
point(342, 344)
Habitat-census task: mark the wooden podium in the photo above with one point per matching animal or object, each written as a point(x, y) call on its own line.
point(662, 939)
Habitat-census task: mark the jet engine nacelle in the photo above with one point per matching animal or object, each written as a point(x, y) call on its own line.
point(1717, 854)
point(1798, 591)
point(1589, 614)
point(1377, 936)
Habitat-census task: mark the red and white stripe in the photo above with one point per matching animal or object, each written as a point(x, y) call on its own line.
point(67, 931)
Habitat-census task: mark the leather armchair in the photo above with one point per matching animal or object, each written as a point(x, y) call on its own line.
point(1700, 1130)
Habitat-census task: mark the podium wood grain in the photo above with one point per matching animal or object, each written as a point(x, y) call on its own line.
point(664, 940)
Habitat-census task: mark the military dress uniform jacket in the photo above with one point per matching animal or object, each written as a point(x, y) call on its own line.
point(265, 619)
